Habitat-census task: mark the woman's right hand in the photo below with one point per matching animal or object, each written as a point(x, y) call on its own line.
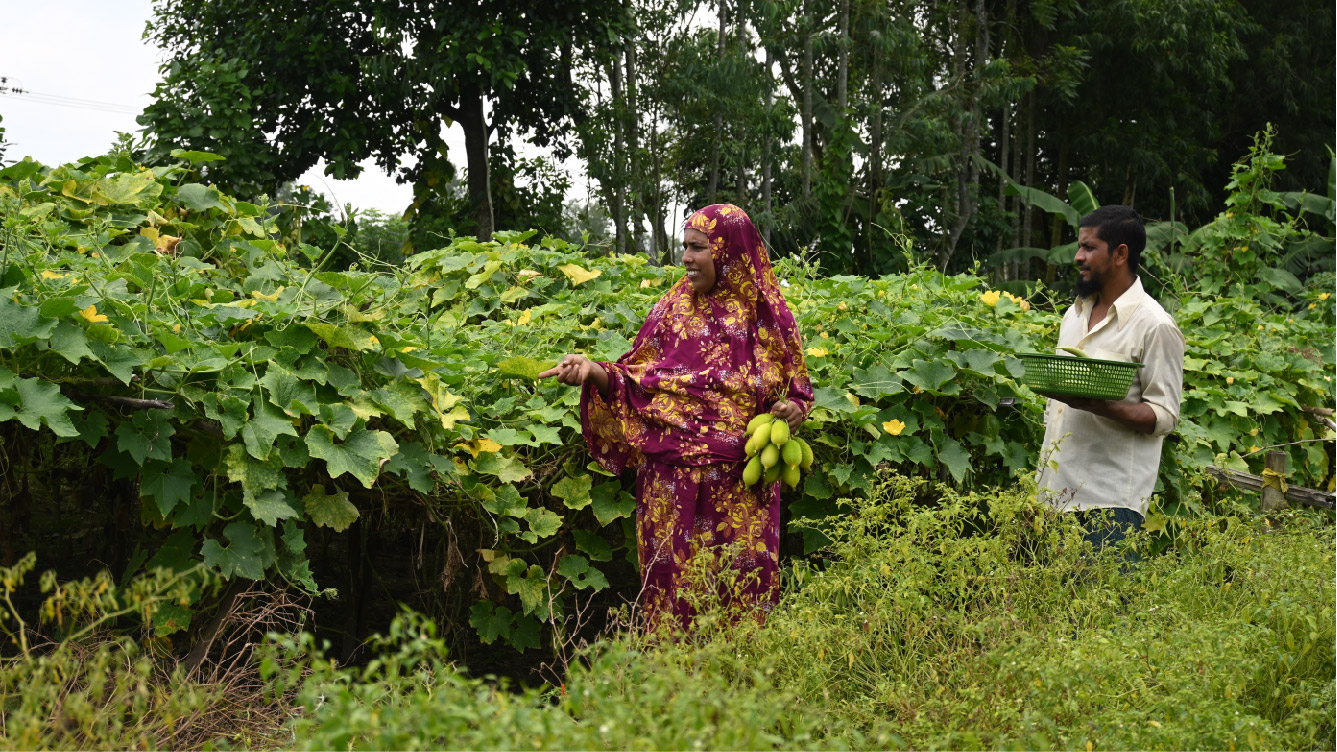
point(578, 369)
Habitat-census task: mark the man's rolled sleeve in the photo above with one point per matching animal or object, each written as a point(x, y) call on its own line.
point(1163, 375)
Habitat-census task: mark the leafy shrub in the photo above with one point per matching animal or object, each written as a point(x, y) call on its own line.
point(185, 341)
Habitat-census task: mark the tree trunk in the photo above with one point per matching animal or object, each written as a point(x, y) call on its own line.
point(637, 197)
point(1058, 222)
point(1004, 128)
point(619, 192)
point(807, 100)
point(476, 135)
point(713, 187)
point(1031, 117)
point(766, 156)
point(843, 75)
point(660, 234)
point(874, 162)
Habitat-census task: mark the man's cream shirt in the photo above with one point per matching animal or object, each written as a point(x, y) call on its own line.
point(1087, 461)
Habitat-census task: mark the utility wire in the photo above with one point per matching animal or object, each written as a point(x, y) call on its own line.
point(29, 95)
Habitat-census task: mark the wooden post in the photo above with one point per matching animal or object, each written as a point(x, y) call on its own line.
point(1273, 496)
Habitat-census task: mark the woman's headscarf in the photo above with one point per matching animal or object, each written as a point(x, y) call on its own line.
point(703, 364)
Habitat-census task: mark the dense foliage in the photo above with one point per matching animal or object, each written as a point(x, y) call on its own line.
point(178, 338)
point(831, 122)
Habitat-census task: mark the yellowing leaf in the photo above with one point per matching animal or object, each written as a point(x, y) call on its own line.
point(90, 313)
point(479, 446)
point(48, 274)
point(578, 274)
point(270, 297)
point(349, 337)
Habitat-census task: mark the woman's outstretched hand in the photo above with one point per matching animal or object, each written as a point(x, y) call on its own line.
point(790, 412)
point(578, 369)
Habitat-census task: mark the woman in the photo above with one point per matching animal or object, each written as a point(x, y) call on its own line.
point(719, 348)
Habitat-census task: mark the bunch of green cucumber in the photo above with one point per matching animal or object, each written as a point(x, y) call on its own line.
point(774, 454)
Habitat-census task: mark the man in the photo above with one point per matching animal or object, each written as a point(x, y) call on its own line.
point(1100, 457)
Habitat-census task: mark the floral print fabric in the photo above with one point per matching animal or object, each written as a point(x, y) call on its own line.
point(701, 367)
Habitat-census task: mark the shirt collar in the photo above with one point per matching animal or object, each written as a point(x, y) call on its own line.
point(1122, 307)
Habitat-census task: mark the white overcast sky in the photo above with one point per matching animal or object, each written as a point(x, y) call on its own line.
point(93, 51)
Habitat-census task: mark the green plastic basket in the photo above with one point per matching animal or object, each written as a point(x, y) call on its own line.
point(1078, 377)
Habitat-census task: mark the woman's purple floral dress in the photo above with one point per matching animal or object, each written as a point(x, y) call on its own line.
point(701, 367)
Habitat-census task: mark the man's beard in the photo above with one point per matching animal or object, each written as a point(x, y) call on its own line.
point(1088, 287)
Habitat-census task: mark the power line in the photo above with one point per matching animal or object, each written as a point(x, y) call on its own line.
point(29, 95)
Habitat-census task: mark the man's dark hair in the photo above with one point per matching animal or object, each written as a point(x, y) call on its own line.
point(1118, 225)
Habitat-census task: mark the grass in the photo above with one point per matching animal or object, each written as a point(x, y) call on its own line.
point(981, 621)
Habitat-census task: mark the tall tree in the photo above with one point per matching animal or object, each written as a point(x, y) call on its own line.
point(348, 80)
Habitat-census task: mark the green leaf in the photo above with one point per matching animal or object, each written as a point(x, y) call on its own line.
point(523, 367)
point(270, 506)
point(171, 343)
point(59, 308)
point(415, 464)
point(505, 500)
point(979, 360)
point(509, 437)
point(542, 524)
point(360, 456)
point(338, 417)
point(577, 570)
point(195, 157)
point(21, 324)
point(929, 375)
point(92, 427)
point(491, 622)
point(120, 361)
point(402, 400)
point(299, 339)
point(529, 584)
point(167, 484)
point(1080, 197)
point(242, 555)
point(574, 491)
point(526, 633)
point(546, 434)
point(198, 197)
point(507, 469)
point(263, 429)
point(833, 400)
point(41, 403)
point(288, 392)
point(611, 502)
point(70, 341)
point(593, 544)
point(230, 412)
point(254, 476)
point(955, 457)
point(334, 510)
